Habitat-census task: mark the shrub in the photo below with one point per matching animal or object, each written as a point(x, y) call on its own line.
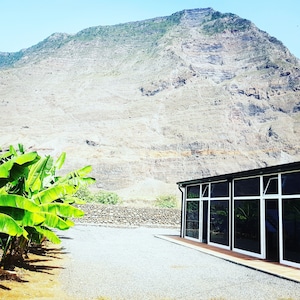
point(103, 197)
point(85, 194)
point(166, 201)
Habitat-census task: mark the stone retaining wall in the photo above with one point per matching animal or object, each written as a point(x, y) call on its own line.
point(112, 215)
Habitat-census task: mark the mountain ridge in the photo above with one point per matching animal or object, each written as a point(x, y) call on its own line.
point(149, 103)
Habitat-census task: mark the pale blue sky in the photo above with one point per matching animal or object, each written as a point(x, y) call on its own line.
point(24, 23)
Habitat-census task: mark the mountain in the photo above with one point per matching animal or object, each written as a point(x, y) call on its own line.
point(153, 102)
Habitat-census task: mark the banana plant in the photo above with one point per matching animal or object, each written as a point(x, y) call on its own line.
point(34, 200)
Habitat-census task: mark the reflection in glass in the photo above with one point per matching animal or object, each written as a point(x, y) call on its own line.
point(220, 189)
point(291, 229)
point(247, 225)
point(290, 183)
point(204, 221)
point(192, 219)
point(219, 222)
point(270, 184)
point(247, 187)
point(193, 191)
point(272, 229)
point(205, 190)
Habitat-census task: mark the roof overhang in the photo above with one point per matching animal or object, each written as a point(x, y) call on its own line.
point(248, 173)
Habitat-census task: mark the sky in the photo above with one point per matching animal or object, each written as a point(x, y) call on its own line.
point(24, 23)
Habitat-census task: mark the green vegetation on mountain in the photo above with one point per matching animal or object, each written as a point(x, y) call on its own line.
point(219, 22)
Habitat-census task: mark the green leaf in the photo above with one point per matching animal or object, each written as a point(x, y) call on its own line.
point(37, 173)
point(54, 193)
point(74, 200)
point(54, 221)
point(12, 150)
point(5, 169)
point(62, 209)
point(50, 235)
point(23, 217)
point(31, 219)
point(84, 171)
point(21, 148)
point(9, 226)
point(78, 174)
point(70, 223)
point(16, 167)
point(26, 158)
point(88, 180)
point(5, 156)
point(78, 181)
point(60, 161)
point(16, 201)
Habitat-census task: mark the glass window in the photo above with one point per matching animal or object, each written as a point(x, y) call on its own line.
point(247, 225)
point(272, 229)
point(193, 191)
point(291, 229)
point(192, 219)
point(205, 190)
point(247, 187)
point(270, 184)
point(219, 189)
point(290, 183)
point(219, 222)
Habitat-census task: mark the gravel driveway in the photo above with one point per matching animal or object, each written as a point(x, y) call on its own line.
point(131, 263)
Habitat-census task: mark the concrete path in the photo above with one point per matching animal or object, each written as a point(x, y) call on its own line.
point(131, 263)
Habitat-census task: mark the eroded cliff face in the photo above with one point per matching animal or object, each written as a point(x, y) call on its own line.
point(154, 102)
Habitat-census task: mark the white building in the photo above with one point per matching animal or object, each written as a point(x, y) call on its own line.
point(254, 212)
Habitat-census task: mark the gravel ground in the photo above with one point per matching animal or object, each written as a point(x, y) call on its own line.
point(131, 263)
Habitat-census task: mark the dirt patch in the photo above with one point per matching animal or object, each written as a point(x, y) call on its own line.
point(38, 277)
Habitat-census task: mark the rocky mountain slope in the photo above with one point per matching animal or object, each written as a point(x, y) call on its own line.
point(153, 102)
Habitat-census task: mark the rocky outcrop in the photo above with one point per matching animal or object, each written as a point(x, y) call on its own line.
point(154, 102)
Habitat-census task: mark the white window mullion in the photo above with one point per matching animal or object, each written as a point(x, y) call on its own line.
point(280, 225)
point(262, 220)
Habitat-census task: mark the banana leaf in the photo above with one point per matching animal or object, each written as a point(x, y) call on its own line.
point(54, 221)
point(5, 169)
point(80, 173)
point(5, 156)
point(74, 200)
point(60, 161)
point(23, 217)
point(16, 167)
point(50, 235)
point(79, 181)
point(16, 201)
point(62, 210)
point(31, 219)
point(37, 174)
point(27, 158)
point(9, 226)
point(54, 193)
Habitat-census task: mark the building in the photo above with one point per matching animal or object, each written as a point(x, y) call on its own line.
point(254, 212)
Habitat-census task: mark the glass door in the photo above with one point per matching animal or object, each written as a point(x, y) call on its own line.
point(192, 219)
point(272, 229)
point(204, 221)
